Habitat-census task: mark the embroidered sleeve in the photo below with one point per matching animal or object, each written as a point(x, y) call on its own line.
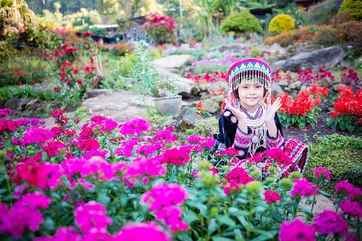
point(242, 140)
point(275, 141)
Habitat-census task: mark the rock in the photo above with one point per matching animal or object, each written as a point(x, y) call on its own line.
point(96, 92)
point(179, 83)
point(327, 57)
point(276, 89)
point(212, 105)
point(17, 104)
point(172, 61)
point(321, 204)
point(120, 105)
point(188, 118)
point(295, 85)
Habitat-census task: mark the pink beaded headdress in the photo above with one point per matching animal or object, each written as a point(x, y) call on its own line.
point(249, 70)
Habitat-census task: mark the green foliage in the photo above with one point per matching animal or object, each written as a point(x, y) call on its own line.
point(161, 35)
point(341, 154)
point(347, 123)
point(353, 8)
point(241, 22)
point(281, 23)
point(300, 121)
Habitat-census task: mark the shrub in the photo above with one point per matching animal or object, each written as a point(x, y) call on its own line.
point(326, 36)
point(341, 154)
point(352, 7)
point(281, 23)
point(351, 32)
point(161, 28)
point(303, 34)
point(241, 22)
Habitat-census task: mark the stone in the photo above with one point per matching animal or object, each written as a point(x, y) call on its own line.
point(96, 92)
point(172, 61)
point(17, 103)
point(120, 105)
point(295, 85)
point(327, 57)
point(179, 83)
point(322, 203)
point(212, 104)
point(188, 118)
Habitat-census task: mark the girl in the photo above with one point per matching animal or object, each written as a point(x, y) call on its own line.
point(249, 123)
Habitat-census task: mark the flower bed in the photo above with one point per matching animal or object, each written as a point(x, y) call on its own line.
point(304, 109)
point(128, 181)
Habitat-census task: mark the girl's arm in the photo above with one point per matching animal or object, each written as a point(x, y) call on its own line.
point(276, 138)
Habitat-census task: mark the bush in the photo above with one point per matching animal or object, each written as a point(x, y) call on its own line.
point(341, 154)
point(351, 32)
point(281, 23)
point(326, 36)
point(241, 22)
point(161, 28)
point(303, 34)
point(353, 8)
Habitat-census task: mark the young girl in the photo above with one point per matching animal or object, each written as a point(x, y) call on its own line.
point(250, 123)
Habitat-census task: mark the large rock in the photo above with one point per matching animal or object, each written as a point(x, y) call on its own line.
point(179, 83)
point(120, 105)
point(172, 61)
point(327, 57)
point(188, 118)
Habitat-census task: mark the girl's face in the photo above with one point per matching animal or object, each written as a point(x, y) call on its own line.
point(250, 95)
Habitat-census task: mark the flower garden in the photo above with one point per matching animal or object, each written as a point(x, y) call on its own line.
point(87, 154)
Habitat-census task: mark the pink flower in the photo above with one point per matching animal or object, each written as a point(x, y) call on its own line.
point(303, 188)
point(279, 156)
point(36, 135)
point(53, 148)
point(346, 187)
point(135, 127)
point(164, 195)
point(87, 144)
point(91, 215)
point(271, 196)
point(62, 234)
point(103, 123)
point(296, 230)
point(141, 232)
point(97, 166)
point(126, 147)
point(322, 172)
point(353, 208)
point(24, 214)
point(165, 135)
point(172, 217)
point(330, 222)
point(140, 167)
point(149, 149)
point(177, 156)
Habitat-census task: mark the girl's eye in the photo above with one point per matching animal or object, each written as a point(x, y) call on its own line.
point(245, 87)
point(258, 86)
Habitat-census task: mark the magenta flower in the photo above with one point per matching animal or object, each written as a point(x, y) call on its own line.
point(151, 167)
point(165, 135)
point(24, 214)
point(330, 222)
point(353, 208)
point(135, 127)
point(126, 147)
point(36, 135)
point(62, 234)
point(296, 230)
point(271, 196)
point(279, 156)
point(148, 149)
point(91, 215)
point(172, 217)
point(103, 123)
point(322, 172)
point(97, 166)
point(178, 155)
point(141, 232)
point(303, 188)
point(164, 195)
point(87, 144)
point(346, 187)
point(53, 148)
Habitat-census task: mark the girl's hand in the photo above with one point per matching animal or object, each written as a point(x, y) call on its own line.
point(271, 109)
point(239, 115)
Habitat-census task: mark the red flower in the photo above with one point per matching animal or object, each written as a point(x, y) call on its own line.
point(271, 196)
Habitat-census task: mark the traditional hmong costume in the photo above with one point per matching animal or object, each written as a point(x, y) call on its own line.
point(252, 70)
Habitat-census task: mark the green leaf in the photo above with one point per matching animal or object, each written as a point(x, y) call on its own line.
point(265, 235)
point(226, 220)
point(221, 239)
point(190, 216)
point(212, 227)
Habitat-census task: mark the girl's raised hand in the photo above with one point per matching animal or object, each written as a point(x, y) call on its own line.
point(271, 109)
point(240, 116)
